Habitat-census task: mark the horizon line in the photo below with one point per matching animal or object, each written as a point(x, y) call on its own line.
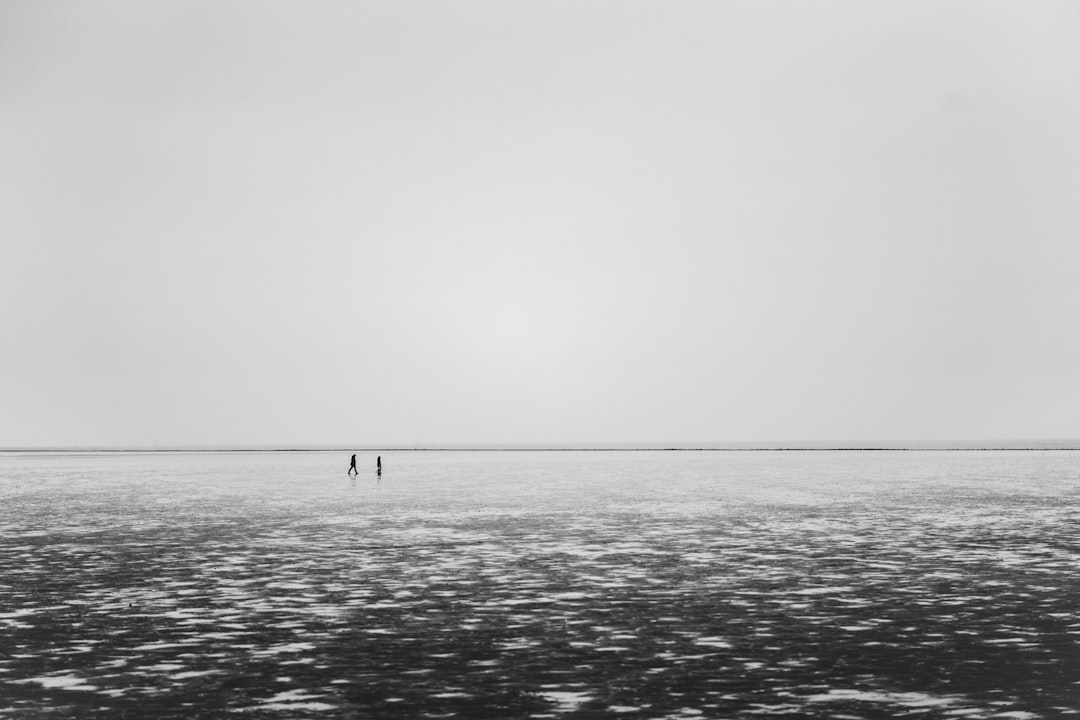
point(785, 446)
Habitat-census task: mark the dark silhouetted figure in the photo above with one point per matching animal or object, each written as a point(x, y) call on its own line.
point(352, 466)
point(378, 465)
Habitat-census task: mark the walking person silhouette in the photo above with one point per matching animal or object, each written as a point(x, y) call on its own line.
point(352, 466)
point(378, 465)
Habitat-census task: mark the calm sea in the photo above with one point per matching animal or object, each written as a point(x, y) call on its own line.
point(928, 584)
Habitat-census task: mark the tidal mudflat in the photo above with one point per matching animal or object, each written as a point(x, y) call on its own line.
point(547, 584)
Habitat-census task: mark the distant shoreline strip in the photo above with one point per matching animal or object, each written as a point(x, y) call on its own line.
point(778, 448)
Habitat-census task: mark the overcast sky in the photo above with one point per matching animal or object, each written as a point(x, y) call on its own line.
point(497, 222)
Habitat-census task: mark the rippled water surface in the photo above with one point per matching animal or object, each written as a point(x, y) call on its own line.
point(541, 584)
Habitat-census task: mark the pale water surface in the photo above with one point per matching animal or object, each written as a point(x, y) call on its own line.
point(541, 584)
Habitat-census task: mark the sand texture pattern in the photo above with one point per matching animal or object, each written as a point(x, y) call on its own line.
point(581, 591)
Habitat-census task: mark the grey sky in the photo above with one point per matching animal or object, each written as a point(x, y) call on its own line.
point(464, 221)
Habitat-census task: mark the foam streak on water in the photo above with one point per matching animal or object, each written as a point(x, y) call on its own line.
point(628, 584)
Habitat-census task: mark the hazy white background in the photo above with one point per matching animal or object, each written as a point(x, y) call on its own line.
point(268, 222)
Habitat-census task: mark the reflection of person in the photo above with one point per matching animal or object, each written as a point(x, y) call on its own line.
point(352, 466)
point(378, 464)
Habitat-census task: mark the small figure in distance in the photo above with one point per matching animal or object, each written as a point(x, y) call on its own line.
point(378, 465)
point(352, 466)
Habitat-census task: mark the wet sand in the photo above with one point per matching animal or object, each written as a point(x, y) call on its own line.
point(959, 600)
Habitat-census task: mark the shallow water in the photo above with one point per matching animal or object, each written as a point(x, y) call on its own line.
point(541, 584)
